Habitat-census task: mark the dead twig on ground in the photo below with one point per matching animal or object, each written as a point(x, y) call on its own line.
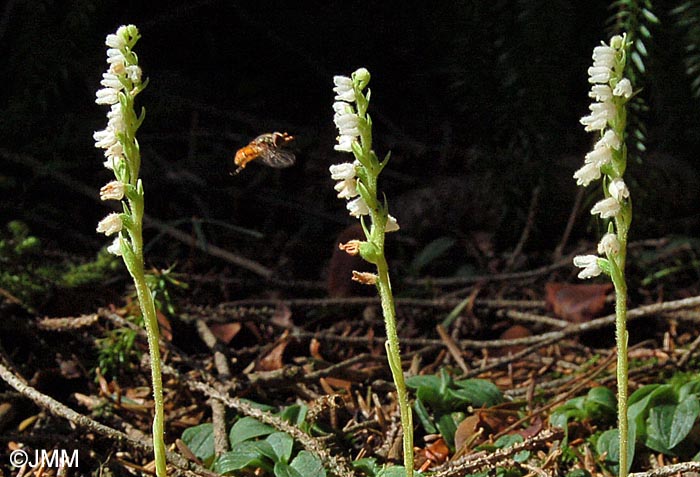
point(61, 410)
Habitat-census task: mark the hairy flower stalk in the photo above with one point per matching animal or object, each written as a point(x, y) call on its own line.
point(611, 91)
point(357, 182)
point(121, 83)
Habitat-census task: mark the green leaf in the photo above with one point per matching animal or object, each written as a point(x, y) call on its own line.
point(282, 469)
point(609, 445)
point(295, 414)
point(447, 427)
point(424, 416)
point(659, 425)
point(638, 62)
point(245, 454)
point(431, 381)
point(430, 252)
point(308, 465)
point(641, 48)
point(393, 471)
point(508, 440)
point(281, 444)
point(650, 16)
point(200, 440)
point(600, 403)
point(248, 428)
point(683, 420)
point(479, 392)
point(367, 466)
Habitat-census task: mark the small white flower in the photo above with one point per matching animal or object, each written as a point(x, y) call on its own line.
point(609, 139)
point(357, 207)
point(107, 96)
point(104, 139)
point(606, 208)
point(341, 107)
point(623, 88)
point(600, 92)
point(113, 190)
point(347, 124)
point(113, 155)
point(599, 156)
point(618, 189)
point(115, 56)
point(347, 188)
point(590, 266)
point(345, 143)
point(604, 56)
point(344, 89)
point(609, 244)
point(599, 74)
point(116, 247)
point(391, 224)
point(118, 39)
point(110, 224)
point(110, 80)
point(343, 171)
point(133, 72)
point(616, 42)
point(587, 174)
point(601, 113)
point(118, 67)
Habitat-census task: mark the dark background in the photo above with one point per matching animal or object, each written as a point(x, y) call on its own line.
point(478, 101)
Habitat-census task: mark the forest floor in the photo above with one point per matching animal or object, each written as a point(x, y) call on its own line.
point(493, 362)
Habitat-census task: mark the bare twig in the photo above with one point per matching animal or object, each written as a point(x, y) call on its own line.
point(569, 225)
point(63, 411)
point(529, 223)
point(452, 347)
point(337, 465)
point(674, 469)
point(218, 410)
point(469, 464)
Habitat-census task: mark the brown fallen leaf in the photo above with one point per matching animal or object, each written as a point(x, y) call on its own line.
point(513, 332)
point(577, 303)
point(273, 360)
point(225, 332)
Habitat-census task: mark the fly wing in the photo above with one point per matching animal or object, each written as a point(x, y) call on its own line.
point(277, 157)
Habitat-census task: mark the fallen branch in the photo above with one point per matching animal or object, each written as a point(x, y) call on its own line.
point(61, 410)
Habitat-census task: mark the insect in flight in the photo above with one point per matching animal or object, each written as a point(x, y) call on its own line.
point(270, 148)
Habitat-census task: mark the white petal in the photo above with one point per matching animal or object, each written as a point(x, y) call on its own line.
point(115, 248)
point(590, 266)
point(347, 189)
point(609, 139)
point(600, 92)
point(357, 207)
point(599, 156)
point(599, 74)
point(587, 174)
point(107, 96)
point(110, 224)
point(113, 190)
point(623, 88)
point(607, 208)
point(618, 189)
point(345, 143)
point(391, 224)
point(342, 171)
point(609, 244)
